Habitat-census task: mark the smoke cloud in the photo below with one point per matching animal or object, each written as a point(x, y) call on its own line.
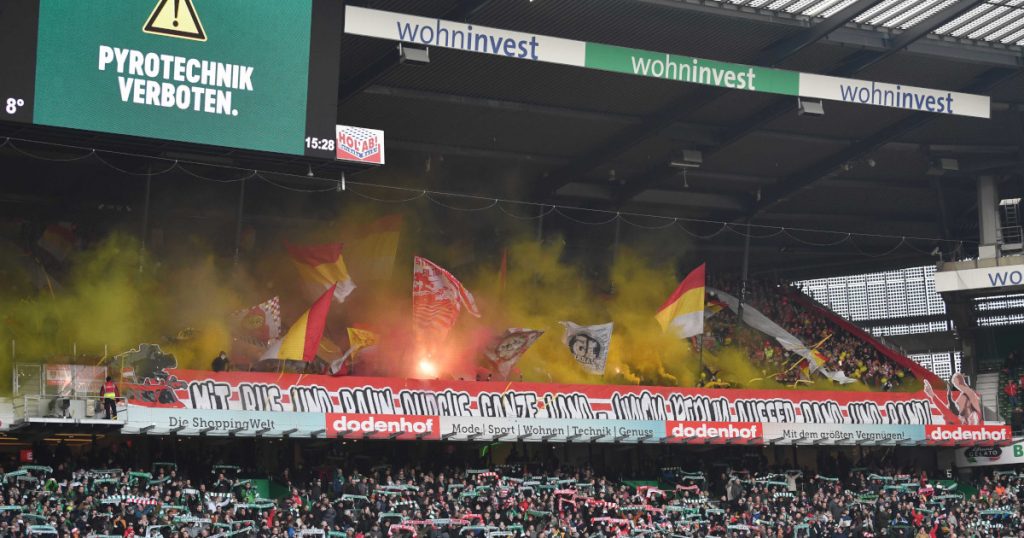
point(114, 296)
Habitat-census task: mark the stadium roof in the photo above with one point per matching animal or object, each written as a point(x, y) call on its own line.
point(991, 21)
point(606, 140)
point(500, 127)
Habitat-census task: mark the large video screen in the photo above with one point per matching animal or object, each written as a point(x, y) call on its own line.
point(251, 74)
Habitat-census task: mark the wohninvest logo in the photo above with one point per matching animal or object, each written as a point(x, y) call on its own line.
point(704, 431)
point(971, 434)
point(406, 426)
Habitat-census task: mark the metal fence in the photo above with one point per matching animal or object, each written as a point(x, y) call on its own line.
point(58, 391)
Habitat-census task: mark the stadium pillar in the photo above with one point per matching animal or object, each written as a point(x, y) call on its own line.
point(145, 217)
point(540, 224)
point(615, 244)
point(238, 221)
point(988, 216)
point(745, 274)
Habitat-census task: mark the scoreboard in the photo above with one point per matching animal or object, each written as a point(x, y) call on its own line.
point(250, 74)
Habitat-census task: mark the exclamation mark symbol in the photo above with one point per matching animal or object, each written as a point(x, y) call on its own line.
point(175, 23)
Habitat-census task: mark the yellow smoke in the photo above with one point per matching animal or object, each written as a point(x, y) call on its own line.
point(114, 297)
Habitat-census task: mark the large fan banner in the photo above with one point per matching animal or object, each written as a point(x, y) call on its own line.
point(466, 410)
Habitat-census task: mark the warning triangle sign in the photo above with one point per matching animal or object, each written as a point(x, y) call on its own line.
point(175, 18)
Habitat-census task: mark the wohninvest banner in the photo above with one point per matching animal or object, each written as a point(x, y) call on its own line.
point(243, 403)
point(540, 48)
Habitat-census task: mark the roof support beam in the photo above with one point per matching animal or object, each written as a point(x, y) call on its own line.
point(479, 153)
point(946, 48)
point(500, 104)
point(785, 48)
point(384, 63)
point(864, 59)
point(860, 60)
point(708, 133)
point(624, 140)
point(785, 188)
point(940, 195)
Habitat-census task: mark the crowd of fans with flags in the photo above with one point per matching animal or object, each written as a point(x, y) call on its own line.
point(835, 347)
point(441, 498)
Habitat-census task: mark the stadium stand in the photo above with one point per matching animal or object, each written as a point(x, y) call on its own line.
point(370, 498)
point(842, 344)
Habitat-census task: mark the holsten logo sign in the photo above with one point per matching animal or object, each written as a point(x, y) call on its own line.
point(406, 426)
point(981, 278)
point(359, 145)
point(703, 431)
point(953, 434)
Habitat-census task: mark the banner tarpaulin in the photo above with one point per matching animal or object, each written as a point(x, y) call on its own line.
point(247, 402)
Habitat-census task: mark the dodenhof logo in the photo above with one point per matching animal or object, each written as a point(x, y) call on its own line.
point(405, 425)
point(701, 431)
point(955, 433)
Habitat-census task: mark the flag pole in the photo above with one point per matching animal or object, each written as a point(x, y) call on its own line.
point(700, 342)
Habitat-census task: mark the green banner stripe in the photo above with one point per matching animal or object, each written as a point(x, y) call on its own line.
point(475, 38)
point(693, 70)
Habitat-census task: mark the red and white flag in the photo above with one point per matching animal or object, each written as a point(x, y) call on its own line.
point(260, 323)
point(437, 299)
point(506, 349)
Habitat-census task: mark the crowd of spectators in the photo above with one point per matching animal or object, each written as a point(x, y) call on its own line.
point(1011, 377)
point(841, 350)
point(438, 499)
point(770, 359)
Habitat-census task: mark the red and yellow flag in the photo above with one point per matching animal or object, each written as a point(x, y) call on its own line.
point(322, 267)
point(374, 249)
point(302, 340)
point(683, 312)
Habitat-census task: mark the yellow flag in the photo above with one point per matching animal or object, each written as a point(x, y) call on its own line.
point(361, 338)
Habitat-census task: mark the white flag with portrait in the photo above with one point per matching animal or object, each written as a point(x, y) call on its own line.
point(588, 344)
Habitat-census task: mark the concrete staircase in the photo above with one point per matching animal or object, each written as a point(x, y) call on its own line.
point(987, 386)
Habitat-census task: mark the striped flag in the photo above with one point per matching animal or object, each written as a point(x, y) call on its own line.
point(375, 250)
point(437, 299)
point(302, 341)
point(258, 324)
point(683, 312)
point(322, 267)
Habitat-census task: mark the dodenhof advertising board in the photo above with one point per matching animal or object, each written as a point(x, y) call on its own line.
point(368, 407)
